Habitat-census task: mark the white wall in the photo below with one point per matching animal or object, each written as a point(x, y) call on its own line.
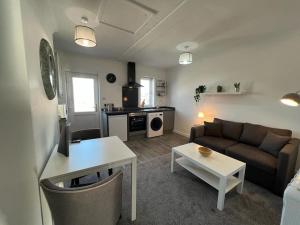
point(109, 93)
point(267, 68)
point(28, 119)
point(39, 20)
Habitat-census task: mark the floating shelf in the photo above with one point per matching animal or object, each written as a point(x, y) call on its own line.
point(224, 93)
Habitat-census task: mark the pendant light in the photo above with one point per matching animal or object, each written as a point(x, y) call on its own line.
point(84, 35)
point(291, 99)
point(186, 57)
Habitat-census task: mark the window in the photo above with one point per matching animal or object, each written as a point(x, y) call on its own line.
point(147, 91)
point(84, 94)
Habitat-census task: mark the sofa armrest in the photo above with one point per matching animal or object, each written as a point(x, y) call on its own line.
point(286, 165)
point(196, 131)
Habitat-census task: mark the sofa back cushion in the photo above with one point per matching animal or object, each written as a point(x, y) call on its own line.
point(273, 143)
point(212, 129)
point(253, 134)
point(281, 132)
point(230, 130)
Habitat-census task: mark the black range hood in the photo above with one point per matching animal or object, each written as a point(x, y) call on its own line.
point(131, 76)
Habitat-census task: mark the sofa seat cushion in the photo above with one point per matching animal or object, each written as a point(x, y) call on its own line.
point(215, 143)
point(254, 157)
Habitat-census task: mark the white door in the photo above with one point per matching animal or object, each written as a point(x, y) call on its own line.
point(83, 99)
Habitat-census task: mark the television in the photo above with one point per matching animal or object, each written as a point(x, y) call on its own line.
point(64, 140)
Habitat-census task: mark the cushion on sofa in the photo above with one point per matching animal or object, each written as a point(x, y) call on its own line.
point(215, 143)
point(212, 129)
point(253, 156)
point(281, 132)
point(231, 130)
point(253, 134)
point(273, 143)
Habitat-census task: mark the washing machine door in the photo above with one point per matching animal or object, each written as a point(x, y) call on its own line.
point(156, 123)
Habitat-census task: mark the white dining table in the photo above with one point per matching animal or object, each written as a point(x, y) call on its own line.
point(87, 157)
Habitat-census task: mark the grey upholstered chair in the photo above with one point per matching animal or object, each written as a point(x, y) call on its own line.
point(97, 204)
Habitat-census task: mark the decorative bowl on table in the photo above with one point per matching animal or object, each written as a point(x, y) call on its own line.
point(205, 152)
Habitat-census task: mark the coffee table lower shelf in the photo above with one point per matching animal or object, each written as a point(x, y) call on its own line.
point(206, 176)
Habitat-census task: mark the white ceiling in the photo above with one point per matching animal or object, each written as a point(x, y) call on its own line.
point(148, 31)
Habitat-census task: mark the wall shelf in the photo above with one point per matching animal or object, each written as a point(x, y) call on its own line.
point(224, 93)
point(161, 88)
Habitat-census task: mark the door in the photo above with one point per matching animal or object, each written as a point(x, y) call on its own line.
point(83, 99)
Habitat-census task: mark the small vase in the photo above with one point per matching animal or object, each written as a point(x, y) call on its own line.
point(237, 89)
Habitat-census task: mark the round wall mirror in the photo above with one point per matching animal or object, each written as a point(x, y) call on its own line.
point(48, 69)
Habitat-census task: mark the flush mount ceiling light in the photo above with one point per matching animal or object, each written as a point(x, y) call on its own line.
point(84, 35)
point(186, 57)
point(291, 99)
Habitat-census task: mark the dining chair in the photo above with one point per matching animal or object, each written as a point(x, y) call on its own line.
point(95, 204)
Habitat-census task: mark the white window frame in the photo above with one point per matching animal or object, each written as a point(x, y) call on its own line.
point(152, 91)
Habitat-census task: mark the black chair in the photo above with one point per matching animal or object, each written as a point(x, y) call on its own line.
point(85, 135)
point(98, 203)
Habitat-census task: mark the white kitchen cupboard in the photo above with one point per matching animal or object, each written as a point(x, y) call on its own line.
point(118, 126)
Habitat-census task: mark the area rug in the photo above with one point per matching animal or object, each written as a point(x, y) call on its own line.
point(180, 198)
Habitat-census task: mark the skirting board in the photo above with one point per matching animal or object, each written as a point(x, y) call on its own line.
point(181, 133)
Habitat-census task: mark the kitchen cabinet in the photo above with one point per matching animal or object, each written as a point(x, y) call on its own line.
point(118, 126)
point(169, 117)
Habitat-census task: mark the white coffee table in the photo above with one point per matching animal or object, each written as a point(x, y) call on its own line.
point(217, 170)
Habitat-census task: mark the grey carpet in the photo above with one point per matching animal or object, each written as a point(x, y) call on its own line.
point(181, 198)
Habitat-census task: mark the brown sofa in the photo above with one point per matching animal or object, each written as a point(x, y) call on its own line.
point(256, 146)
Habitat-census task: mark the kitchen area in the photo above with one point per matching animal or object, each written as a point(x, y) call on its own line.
point(134, 119)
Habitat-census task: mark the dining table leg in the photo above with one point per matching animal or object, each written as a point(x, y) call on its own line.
point(133, 188)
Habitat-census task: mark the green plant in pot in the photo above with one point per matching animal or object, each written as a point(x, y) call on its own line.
point(198, 91)
point(237, 86)
point(219, 88)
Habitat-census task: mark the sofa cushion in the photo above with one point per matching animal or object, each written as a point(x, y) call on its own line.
point(281, 132)
point(253, 156)
point(215, 143)
point(253, 134)
point(273, 143)
point(212, 129)
point(231, 130)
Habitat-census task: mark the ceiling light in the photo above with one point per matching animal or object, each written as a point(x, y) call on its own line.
point(291, 99)
point(185, 58)
point(85, 36)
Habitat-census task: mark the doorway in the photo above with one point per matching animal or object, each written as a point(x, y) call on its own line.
point(83, 101)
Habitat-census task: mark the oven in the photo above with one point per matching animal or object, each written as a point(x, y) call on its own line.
point(137, 121)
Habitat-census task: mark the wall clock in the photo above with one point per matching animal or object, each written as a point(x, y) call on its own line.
point(48, 69)
point(111, 78)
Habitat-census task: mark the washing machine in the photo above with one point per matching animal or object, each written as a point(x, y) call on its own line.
point(155, 124)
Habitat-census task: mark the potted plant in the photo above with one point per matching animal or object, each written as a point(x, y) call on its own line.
point(219, 88)
point(198, 91)
point(237, 86)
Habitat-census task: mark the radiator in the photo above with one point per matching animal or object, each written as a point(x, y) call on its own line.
point(291, 203)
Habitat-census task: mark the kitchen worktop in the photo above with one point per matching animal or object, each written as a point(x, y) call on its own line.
point(121, 111)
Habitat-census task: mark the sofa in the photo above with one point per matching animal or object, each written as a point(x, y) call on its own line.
point(270, 154)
